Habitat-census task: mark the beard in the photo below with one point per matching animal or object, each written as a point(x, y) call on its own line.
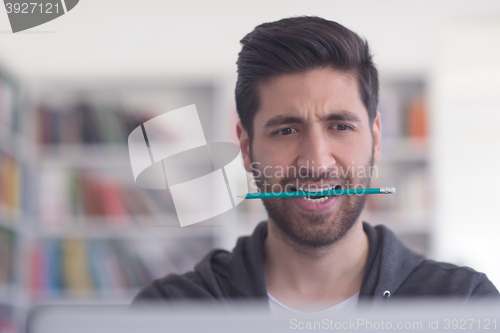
point(315, 230)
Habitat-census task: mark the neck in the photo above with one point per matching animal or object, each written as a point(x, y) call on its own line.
point(300, 276)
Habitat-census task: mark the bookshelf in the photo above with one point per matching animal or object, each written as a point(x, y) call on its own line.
point(120, 236)
point(74, 226)
point(405, 163)
point(14, 203)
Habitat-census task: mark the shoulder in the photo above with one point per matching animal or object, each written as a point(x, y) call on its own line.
point(219, 275)
point(173, 286)
point(200, 283)
point(396, 268)
point(446, 279)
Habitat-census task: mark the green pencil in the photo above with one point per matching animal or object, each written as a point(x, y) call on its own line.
point(295, 194)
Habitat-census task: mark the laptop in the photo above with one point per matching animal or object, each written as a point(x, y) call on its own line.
point(404, 315)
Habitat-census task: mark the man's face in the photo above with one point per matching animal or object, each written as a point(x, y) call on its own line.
point(312, 131)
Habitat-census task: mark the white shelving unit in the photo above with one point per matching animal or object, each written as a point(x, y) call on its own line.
point(405, 163)
point(156, 236)
point(13, 165)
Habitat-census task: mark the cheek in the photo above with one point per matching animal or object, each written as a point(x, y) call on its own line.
point(360, 152)
point(269, 156)
point(347, 154)
point(353, 160)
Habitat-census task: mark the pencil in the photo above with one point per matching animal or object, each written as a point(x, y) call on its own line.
point(295, 194)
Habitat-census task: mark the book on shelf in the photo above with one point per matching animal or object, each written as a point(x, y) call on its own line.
point(13, 179)
point(75, 267)
point(403, 109)
point(417, 118)
point(106, 268)
point(86, 123)
point(96, 197)
point(8, 99)
point(8, 240)
point(7, 319)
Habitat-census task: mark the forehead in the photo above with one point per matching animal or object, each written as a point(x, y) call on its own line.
point(310, 95)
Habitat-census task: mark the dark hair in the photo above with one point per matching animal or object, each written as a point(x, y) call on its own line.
point(295, 45)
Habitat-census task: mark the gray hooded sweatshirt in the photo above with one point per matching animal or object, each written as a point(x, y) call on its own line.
point(393, 271)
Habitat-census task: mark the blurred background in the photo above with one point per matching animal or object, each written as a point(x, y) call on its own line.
point(74, 227)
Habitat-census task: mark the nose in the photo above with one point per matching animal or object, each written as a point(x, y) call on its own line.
point(316, 154)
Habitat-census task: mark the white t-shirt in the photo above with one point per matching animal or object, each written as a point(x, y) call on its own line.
point(347, 305)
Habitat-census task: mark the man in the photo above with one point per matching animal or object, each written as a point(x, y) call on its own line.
point(307, 95)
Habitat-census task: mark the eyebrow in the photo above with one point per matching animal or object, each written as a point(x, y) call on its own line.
point(341, 115)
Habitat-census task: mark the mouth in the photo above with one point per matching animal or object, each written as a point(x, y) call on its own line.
point(317, 198)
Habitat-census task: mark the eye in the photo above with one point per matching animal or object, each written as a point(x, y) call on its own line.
point(342, 127)
point(285, 131)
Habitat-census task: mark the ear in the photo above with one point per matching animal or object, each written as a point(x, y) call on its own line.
point(244, 145)
point(377, 138)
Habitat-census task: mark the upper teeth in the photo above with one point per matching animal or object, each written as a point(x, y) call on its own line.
point(316, 200)
point(316, 189)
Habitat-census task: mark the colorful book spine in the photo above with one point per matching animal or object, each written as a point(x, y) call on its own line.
point(76, 270)
point(82, 269)
point(7, 251)
point(10, 187)
point(7, 105)
point(417, 118)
